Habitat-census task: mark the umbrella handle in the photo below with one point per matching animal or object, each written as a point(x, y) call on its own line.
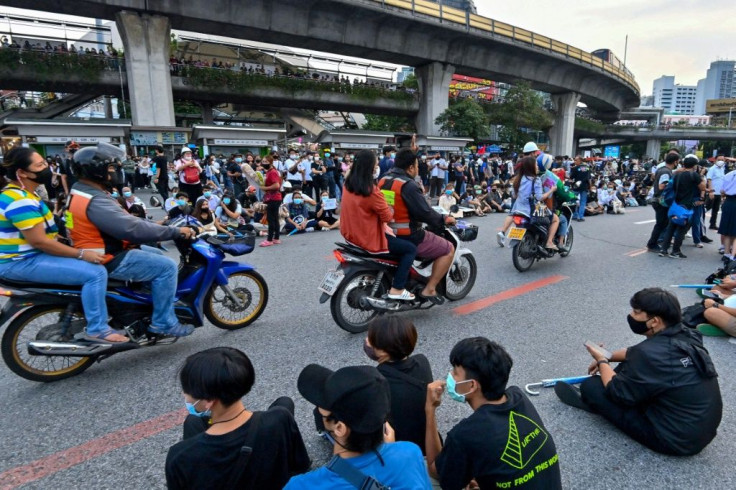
point(529, 386)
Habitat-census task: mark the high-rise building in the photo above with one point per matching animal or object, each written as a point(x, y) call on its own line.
point(719, 83)
point(466, 5)
point(674, 98)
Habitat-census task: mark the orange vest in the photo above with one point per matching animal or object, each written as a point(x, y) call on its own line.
point(84, 233)
point(391, 189)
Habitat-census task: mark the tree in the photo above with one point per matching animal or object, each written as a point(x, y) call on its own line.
point(411, 82)
point(521, 111)
point(464, 117)
point(391, 124)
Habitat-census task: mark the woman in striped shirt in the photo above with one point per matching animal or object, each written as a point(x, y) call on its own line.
point(29, 250)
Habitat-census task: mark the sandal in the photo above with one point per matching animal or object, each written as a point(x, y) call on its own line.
point(404, 296)
point(102, 336)
point(552, 247)
point(436, 299)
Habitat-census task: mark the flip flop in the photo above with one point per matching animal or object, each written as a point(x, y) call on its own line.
point(404, 296)
point(708, 330)
point(102, 336)
point(436, 299)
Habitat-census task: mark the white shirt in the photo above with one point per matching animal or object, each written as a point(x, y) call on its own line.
point(715, 175)
point(436, 170)
point(728, 186)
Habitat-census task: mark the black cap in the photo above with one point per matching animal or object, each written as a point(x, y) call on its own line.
point(356, 395)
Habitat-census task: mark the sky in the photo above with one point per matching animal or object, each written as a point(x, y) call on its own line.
point(666, 37)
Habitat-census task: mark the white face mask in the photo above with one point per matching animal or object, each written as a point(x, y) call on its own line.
point(376, 172)
point(720, 163)
point(187, 156)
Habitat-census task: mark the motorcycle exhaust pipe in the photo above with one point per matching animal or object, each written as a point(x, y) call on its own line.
point(45, 348)
point(381, 304)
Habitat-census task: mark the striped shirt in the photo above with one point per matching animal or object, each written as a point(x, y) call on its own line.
point(21, 210)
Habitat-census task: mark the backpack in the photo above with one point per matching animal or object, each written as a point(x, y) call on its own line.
point(667, 197)
point(191, 175)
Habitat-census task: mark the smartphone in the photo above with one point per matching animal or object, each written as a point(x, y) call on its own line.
point(606, 353)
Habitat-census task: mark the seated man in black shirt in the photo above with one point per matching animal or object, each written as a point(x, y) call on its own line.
point(665, 392)
point(225, 445)
point(504, 443)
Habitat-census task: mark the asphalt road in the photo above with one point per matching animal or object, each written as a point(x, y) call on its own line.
point(543, 330)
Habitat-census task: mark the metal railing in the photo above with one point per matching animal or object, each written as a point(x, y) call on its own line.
point(451, 15)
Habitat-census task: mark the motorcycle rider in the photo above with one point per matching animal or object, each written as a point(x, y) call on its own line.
point(97, 222)
point(411, 210)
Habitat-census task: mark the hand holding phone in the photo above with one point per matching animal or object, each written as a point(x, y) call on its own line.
point(604, 352)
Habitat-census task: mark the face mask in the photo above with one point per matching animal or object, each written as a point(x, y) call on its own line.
point(376, 173)
point(193, 411)
point(298, 201)
point(393, 155)
point(127, 194)
point(339, 159)
point(42, 177)
point(208, 194)
point(452, 387)
point(181, 202)
point(115, 195)
point(292, 156)
point(370, 352)
point(327, 155)
point(720, 163)
point(238, 160)
point(188, 156)
point(449, 193)
point(324, 198)
point(479, 191)
point(637, 326)
point(226, 201)
point(424, 157)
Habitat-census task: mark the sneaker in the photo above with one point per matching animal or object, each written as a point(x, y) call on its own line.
point(708, 330)
point(699, 245)
point(501, 239)
point(721, 250)
point(179, 330)
point(713, 227)
point(688, 235)
point(705, 239)
point(653, 250)
point(266, 243)
point(663, 253)
point(677, 255)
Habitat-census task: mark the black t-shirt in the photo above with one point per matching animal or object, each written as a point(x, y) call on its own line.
point(206, 461)
point(686, 188)
point(162, 164)
point(581, 173)
point(500, 446)
point(408, 380)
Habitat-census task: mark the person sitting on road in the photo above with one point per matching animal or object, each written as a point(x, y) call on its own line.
point(448, 199)
point(131, 199)
point(721, 317)
point(204, 215)
point(228, 213)
point(390, 342)
point(504, 441)
point(528, 191)
point(182, 207)
point(298, 216)
point(665, 392)
point(219, 428)
point(29, 250)
point(326, 218)
point(170, 202)
point(410, 211)
point(365, 217)
point(354, 404)
point(99, 223)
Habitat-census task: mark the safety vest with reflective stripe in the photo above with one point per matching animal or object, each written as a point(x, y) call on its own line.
point(84, 233)
point(390, 187)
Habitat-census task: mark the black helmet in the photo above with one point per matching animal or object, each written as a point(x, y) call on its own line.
point(92, 162)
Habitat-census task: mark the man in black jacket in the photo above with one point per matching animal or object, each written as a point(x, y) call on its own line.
point(665, 392)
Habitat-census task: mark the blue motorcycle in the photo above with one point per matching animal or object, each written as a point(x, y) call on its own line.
point(44, 340)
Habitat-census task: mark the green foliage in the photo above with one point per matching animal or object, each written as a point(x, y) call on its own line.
point(411, 82)
point(465, 117)
point(589, 126)
point(48, 67)
point(521, 110)
point(392, 124)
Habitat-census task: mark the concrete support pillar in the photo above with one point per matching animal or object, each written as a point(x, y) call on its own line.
point(107, 100)
point(146, 40)
point(561, 135)
point(207, 117)
point(434, 92)
point(654, 147)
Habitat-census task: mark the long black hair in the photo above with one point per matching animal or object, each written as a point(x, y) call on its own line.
point(360, 178)
point(16, 159)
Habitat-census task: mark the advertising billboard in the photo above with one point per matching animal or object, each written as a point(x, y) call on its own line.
point(612, 151)
point(462, 86)
point(720, 106)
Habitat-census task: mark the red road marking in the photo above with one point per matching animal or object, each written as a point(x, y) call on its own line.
point(634, 253)
point(41, 468)
point(508, 294)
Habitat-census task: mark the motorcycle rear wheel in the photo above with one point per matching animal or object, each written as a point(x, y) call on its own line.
point(461, 278)
point(345, 303)
point(568, 242)
point(222, 312)
point(30, 325)
point(524, 252)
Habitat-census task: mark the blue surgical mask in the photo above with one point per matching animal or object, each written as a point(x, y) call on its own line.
point(298, 201)
point(226, 200)
point(324, 198)
point(452, 387)
point(238, 160)
point(327, 155)
point(193, 411)
point(181, 202)
point(127, 194)
point(449, 193)
point(207, 194)
point(115, 195)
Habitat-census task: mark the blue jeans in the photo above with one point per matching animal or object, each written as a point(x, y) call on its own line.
point(564, 225)
point(407, 252)
point(161, 272)
point(582, 201)
point(698, 221)
point(65, 271)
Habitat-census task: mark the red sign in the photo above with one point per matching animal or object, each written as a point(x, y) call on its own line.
point(462, 86)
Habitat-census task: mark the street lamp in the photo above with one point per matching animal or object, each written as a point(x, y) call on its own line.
point(729, 115)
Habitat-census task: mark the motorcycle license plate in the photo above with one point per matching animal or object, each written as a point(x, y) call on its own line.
point(331, 281)
point(516, 233)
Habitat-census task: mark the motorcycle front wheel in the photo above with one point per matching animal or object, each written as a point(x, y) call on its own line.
point(568, 242)
point(461, 278)
point(251, 297)
point(41, 323)
point(346, 307)
point(524, 252)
